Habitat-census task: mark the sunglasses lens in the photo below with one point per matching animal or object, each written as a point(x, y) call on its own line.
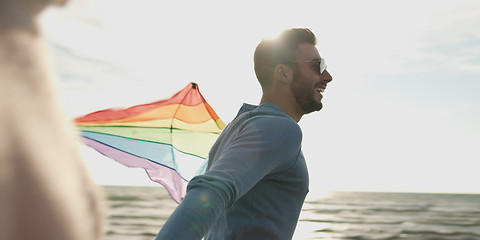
point(323, 65)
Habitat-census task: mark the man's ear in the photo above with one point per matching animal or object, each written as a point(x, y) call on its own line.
point(282, 73)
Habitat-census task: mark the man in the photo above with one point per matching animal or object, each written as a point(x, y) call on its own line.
point(257, 178)
point(45, 189)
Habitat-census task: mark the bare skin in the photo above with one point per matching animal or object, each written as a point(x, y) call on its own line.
point(45, 189)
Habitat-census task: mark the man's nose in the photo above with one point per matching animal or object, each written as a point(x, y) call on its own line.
point(326, 77)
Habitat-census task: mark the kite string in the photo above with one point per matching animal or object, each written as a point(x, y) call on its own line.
point(171, 125)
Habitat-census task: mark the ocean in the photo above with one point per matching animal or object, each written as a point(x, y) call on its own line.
point(137, 213)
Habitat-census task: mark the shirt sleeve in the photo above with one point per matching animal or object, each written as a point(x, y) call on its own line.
point(264, 147)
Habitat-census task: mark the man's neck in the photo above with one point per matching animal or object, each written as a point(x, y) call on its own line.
point(290, 107)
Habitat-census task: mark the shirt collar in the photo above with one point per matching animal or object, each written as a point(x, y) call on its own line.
point(249, 107)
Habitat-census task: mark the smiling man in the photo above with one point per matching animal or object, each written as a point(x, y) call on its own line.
point(257, 179)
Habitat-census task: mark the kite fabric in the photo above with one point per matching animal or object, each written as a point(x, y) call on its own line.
point(170, 139)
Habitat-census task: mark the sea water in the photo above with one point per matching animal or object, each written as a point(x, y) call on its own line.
point(137, 213)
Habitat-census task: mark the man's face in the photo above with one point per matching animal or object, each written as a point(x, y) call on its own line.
point(308, 84)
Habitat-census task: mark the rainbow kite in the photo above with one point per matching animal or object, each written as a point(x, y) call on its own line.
point(170, 139)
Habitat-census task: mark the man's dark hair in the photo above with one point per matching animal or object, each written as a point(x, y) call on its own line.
point(282, 49)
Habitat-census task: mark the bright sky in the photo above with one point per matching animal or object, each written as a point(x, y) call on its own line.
point(402, 113)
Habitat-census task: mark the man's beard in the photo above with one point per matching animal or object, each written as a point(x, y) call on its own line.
point(304, 95)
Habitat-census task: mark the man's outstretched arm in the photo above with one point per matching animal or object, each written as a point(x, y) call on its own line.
point(257, 151)
point(195, 214)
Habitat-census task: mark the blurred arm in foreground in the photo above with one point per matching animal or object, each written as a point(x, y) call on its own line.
point(45, 189)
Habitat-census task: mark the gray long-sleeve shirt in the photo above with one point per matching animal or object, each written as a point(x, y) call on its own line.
point(255, 184)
